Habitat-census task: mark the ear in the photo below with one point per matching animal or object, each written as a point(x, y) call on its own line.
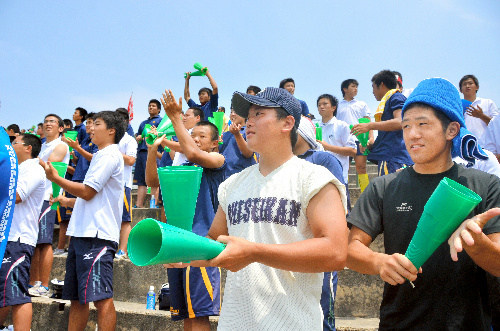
point(452, 130)
point(112, 131)
point(288, 124)
point(29, 148)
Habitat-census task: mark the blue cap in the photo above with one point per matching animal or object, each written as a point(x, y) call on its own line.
point(272, 97)
point(443, 96)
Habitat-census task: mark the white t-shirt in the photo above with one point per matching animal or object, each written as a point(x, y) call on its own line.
point(351, 111)
point(272, 210)
point(101, 216)
point(491, 136)
point(180, 158)
point(477, 125)
point(47, 149)
point(407, 91)
point(490, 165)
point(338, 133)
point(128, 146)
point(31, 188)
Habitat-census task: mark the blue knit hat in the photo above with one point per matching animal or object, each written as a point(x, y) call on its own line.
point(441, 95)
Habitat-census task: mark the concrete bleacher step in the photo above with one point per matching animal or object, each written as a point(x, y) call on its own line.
point(52, 314)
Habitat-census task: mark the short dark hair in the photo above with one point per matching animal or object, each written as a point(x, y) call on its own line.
point(213, 129)
point(286, 80)
point(464, 78)
point(445, 120)
point(68, 122)
point(33, 141)
point(387, 77)
point(333, 100)
point(124, 115)
point(14, 127)
point(345, 84)
point(113, 120)
point(281, 113)
point(198, 112)
point(156, 102)
point(254, 88)
point(83, 112)
point(90, 115)
point(205, 89)
point(40, 124)
point(59, 119)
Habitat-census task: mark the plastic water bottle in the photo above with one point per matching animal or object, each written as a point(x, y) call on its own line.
point(151, 298)
point(152, 202)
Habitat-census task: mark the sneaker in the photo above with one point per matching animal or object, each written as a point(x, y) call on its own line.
point(60, 252)
point(120, 255)
point(40, 291)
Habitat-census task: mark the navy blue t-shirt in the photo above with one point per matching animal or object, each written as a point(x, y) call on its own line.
point(208, 201)
point(208, 108)
point(389, 145)
point(305, 109)
point(151, 121)
point(82, 132)
point(234, 158)
point(82, 165)
point(130, 130)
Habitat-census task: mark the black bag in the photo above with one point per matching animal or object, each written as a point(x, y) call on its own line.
point(164, 297)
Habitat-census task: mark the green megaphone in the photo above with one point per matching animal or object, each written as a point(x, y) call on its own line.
point(195, 73)
point(151, 242)
point(363, 137)
point(446, 209)
point(61, 168)
point(200, 71)
point(219, 122)
point(319, 132)
point(165, 127)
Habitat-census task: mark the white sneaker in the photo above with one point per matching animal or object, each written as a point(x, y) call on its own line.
point(58, 251)
point(40, 291)
point(120, 255)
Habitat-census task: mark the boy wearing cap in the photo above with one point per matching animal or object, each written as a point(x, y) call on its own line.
point(388, 150)
point(94, 226)
point(15, 268)
point(307, 148)
point(195, 292)
point(209, 98)
point(286, 214)
point(479, 114)
point(448, 295)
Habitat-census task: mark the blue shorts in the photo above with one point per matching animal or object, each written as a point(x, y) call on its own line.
point(388, 167)
point(327, 301)
point(89, 270)
point(46, 221)
point(358, 151)
point(15, 274)
point(127, 201)
point(66, 212)
point(194, 292)
point(140, 168)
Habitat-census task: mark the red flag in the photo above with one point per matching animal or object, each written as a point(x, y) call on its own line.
point(130, 108)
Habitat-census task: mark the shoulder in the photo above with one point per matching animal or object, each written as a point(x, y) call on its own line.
point(397, 97)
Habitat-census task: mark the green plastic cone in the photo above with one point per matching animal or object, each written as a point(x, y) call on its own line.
point(219, 122)
point(61, 168)
point(180, 186)
point(195, 73)
point(211, 120)
point(71, 135)
point(165, 127)
point(199, 67)
point(319, 132)
point(151, 242)
point(448, 206)
point(146, 130)
point(363, 137)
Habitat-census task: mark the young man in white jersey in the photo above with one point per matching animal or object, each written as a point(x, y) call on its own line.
point(289, 218)
point(14, 271)
point(128, 147)
point(94, 226)
point(53, 150)
point(480, 112)
point(350, 111)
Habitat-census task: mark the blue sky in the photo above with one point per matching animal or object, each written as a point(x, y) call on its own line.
point(58, 55)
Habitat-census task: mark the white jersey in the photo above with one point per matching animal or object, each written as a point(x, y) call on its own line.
point(101, 216)
point(128, 146)
point(30, 187)
point(476, 125)
point(351, 111)
point(490, 166)
point(180, 158)
point(47, 149)
point(338, 133)
point(272, 210)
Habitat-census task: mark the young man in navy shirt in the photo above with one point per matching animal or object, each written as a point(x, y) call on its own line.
point(154, 119)
point(79, 116)
point(209, 98)
point(388, 150)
